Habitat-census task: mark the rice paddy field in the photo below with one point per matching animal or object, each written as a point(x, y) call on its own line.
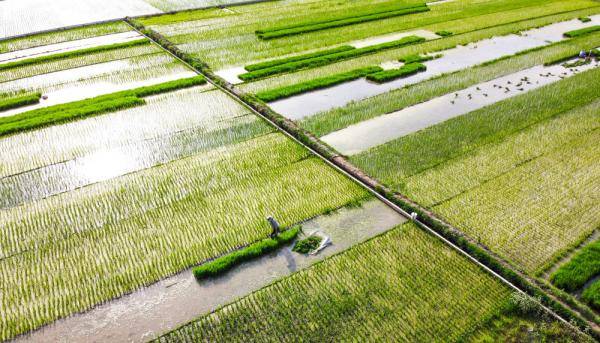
point(138, 152)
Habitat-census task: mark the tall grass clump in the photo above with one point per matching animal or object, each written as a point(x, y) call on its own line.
point(20, 101)
point(353, 19)
point(574, 274)
point(393, 74)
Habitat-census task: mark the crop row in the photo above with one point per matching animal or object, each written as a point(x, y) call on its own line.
point(393, 74)
point(300, 28)
point(276, 62)
point(218, 201)
point(328, 59)
point(56, 114)
point(19, 101)
point(582, 32)
point(371, 291)
point(574, 274)
point(591, 295)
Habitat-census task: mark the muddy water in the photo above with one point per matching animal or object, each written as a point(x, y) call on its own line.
point(373, 132)
point(69, 46)
point(459, 58)
point(167, 304)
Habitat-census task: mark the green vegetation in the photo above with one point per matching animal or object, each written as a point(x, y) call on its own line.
point(372, 291)
point(328, 59)
point(479, 170)
point(591, 295)
point(444, 33)
point(393, 74)
point(581, 32)
point(307, 245)
point(272, 63)
point(224, 263)
point(70, 54)
point(418, 58)
point(584, 266)
point(300, 28)
point(324, 82)
point(57, 114)
point(585, 19)
point(19, 101)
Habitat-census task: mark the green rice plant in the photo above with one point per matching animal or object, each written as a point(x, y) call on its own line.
point(585, 19)
point(328, 59)
point(284, 92)
point(591, 295)
point(56, 114)
point(581, 32)
point(418, 58)
point(134, 230)
point(308, 244)
point(272, 63)
point(20, 101)
point(584, 266)
point(71, 54)
point(296, 29)
point(224, 263)
point(61, 36)
point(393, 74)
point(372, 291)
point(444, 33)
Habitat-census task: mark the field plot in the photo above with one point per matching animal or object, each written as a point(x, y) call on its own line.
point(404, 284)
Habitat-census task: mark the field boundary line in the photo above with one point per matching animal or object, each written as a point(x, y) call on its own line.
point(339, 163)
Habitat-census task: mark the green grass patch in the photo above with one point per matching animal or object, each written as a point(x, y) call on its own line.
point(224, 263)
point(19, 101)
point(307, 245)
point(393, 74)
point(70, 54)
point(305, 27)
point(585, 19)
point(581, 32)
point(592, 295)
point(284, 92)
point(272, 63)
point(574, 274)
point(328, 59)
point(94, 106)
point(418, 58)
point(444, 33)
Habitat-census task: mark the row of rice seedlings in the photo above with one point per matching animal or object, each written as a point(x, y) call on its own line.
point(404, 284)
point(225, 41)
point(185, 108)
point(62, 36)
point(134, 69)
point(232, 190)
point(338, 118)
point(579, 270)
point(75, 62)
point(486, 30)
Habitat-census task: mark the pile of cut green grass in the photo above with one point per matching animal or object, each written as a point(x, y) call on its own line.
point(272, 63)
point(19, 101)
point(327, 59)
point(306, 27)
point(393, 74)
point(584, 266)
point(70, 54)
point(224, 263)
point(84, 108)
point(307, 245)
point(284, 92)
point(581, 32)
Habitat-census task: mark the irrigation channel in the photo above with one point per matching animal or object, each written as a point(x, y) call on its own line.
point(380, 130)
point(163, 306)
point(455, 59)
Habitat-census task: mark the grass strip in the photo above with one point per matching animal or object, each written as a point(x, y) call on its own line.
point(20, 101)
point(272, 63)
point(574, 274)
point(69, 54)
point(328, 59)
point(102, 104)
point(324, 82)
point(224, 263)
point(418, 58)
point(592, 295)
point(585, 19)
point(444, 33)
point(338, 22)
point(393, 74)
point(581, 32)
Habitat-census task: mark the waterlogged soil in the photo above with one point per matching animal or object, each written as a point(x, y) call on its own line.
point(380, 130)
point(50, 49)
point(163, 306)
point(455, 59)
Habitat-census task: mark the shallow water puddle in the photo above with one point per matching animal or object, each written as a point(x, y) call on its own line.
point(459, 58)
point(380, 130)
point(163, 306)
point(69, 46)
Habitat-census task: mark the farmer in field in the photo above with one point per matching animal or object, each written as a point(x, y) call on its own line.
point(582, 54)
